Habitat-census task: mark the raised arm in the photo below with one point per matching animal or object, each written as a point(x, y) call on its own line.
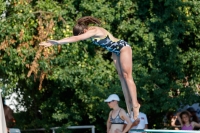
point(173, 121)
point(195, 124)
point(87, 34)
point(179, 118)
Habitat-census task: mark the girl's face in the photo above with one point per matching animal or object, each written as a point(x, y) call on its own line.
point(112, 104)
point(185, 118)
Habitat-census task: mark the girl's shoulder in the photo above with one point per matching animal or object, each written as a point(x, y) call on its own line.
point(122, 111)
point(95, 28)
point(98, 29)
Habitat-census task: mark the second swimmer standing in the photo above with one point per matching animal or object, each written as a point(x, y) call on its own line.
point(121, 54)
point(117, 116)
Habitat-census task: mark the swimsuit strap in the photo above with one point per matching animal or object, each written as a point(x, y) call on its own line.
point(116, 115)
point(119, 111)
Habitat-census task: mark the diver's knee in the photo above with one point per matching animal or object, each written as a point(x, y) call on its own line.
point(125, 75)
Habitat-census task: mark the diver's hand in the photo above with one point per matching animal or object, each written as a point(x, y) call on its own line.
point(45, 44)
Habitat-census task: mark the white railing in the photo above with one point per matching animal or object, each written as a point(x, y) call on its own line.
point(14, 130)
point(165, 131)
point(92, 127)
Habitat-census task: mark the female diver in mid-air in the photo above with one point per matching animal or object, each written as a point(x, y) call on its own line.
point(121, 54)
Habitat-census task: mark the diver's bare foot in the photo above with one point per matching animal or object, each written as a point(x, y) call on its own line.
point(136, 111)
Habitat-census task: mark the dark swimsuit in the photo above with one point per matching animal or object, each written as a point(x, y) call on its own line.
point(110, 45)
point(117, 119)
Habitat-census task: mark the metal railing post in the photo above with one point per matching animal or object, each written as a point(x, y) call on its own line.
point(93, 129)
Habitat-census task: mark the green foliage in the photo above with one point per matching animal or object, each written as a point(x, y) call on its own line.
point(63, 86)
point(2, 6)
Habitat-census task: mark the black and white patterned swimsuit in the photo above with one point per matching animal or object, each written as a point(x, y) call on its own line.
point(117, 119)
point(110, 45)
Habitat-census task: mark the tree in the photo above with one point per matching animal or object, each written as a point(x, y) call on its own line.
point(68, 83)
